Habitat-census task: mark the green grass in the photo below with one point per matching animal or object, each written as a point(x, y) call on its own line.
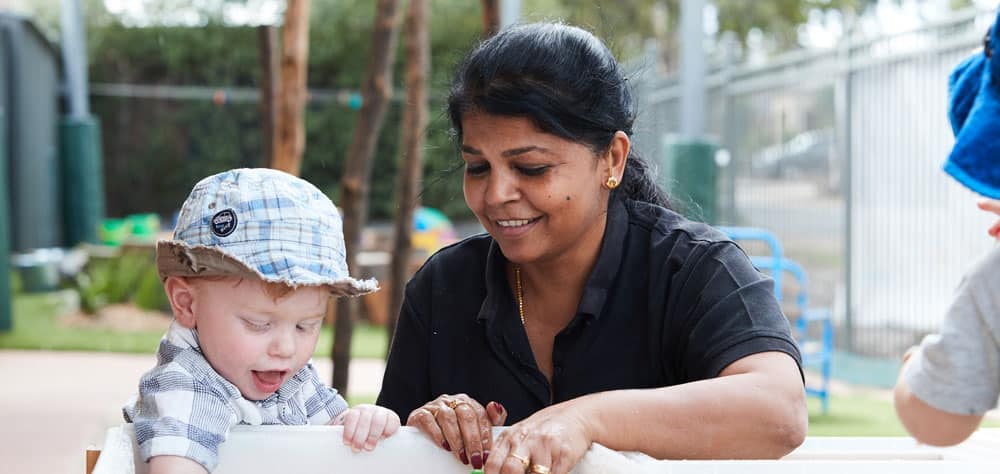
point(36, 327)
point(354, 399)
point(858, 415)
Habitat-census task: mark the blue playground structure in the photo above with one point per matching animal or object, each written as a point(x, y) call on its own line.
point(811, 326)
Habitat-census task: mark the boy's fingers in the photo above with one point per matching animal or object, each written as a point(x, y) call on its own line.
point(379, 420)
point(361, 432)
point(391, 425)
point(350, 424)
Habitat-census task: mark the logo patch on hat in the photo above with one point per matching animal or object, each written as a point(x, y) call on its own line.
point(224, 223)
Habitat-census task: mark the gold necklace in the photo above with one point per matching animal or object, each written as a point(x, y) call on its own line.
point(520, 294)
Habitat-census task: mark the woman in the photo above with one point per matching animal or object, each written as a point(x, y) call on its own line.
point(590, 312)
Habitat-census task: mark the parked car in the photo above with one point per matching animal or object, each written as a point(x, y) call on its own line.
point(810, 154)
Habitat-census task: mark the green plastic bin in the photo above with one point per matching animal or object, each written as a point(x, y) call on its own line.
point(689, 172)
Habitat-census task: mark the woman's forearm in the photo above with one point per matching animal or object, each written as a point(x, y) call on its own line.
point(757, 410)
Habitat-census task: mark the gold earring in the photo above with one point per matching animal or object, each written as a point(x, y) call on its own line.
point(612, 182)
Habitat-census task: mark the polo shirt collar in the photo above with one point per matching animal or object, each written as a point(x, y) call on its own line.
point(602, 277)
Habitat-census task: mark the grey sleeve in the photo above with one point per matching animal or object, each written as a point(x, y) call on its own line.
point(958, 370)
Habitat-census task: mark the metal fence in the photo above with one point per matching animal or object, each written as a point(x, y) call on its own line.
point(839, 153)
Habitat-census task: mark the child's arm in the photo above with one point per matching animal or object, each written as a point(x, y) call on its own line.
point(174, 465)
point(366, 425)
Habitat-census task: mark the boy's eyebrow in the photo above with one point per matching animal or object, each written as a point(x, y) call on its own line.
point(509, 153)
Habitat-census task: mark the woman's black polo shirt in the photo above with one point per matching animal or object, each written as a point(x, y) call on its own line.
point(669, 301)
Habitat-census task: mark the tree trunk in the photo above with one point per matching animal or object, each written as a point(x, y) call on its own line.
point(491, 17)
point(376, 91)
point(270, 81)
point(413, 131)
point(291, 138)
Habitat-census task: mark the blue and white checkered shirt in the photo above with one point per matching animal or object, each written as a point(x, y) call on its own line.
point(185, 408)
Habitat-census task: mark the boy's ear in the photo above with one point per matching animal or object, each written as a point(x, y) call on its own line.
point(180, 292)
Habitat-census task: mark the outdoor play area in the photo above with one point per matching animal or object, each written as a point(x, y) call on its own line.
point(810, 133)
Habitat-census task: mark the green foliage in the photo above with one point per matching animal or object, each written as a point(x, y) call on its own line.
point(149, 295)
point(15, 283)
point(859, 414)
point(117, 279)
point(37, 325)
point(155, 150)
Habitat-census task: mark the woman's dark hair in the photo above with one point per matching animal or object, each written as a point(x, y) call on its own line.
point(566, 81)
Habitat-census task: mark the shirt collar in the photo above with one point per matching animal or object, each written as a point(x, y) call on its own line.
point(602, 277)
point(609, 260)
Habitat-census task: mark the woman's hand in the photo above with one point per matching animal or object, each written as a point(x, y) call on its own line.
point(366, 425)
point(552, 440)
point(991, 205)
point(461, 425)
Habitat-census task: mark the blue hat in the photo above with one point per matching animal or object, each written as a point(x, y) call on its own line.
point(974, 111)
point(260, 223)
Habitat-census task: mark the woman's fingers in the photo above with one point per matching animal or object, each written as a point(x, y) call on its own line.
point(423, 419)
point(447, 420)
point(458, 424)
point(472, 435)
point(497, 413)
point(541, 457)
point(509, 455)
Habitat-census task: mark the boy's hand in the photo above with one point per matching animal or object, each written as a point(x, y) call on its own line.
point(366, 425)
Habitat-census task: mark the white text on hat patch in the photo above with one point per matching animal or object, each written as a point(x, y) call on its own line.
point(224, 223)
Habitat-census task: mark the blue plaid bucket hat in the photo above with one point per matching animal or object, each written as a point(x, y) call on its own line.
point(260, 223)
point(974, 111)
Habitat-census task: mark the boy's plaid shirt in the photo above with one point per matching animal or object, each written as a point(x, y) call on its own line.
point(185, 408)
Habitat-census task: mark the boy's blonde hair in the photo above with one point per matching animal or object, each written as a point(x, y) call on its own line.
point(273, 289)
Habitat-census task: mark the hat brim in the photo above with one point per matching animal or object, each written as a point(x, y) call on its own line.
point(176, 258)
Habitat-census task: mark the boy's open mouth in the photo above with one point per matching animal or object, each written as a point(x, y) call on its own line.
point(268, 380)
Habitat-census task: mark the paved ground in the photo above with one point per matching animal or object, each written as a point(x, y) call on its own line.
point(44, 429)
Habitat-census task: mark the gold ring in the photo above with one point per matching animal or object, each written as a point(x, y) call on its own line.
point(454, 403)
point(540, 469)
point(523, 459)
point(432, 410)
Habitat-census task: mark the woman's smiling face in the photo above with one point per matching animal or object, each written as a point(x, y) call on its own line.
point(540, 196)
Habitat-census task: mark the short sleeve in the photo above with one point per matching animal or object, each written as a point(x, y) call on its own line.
point(177, 415)
point(958, 370)
point(721, 310)
point(322, 402)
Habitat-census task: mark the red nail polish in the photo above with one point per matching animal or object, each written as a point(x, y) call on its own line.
point(499, 406)
point(477, 461)
point(486, 457)
point(463, 457)
point(446, 446)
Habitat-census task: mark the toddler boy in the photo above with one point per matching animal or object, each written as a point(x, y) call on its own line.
point(254, 257)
